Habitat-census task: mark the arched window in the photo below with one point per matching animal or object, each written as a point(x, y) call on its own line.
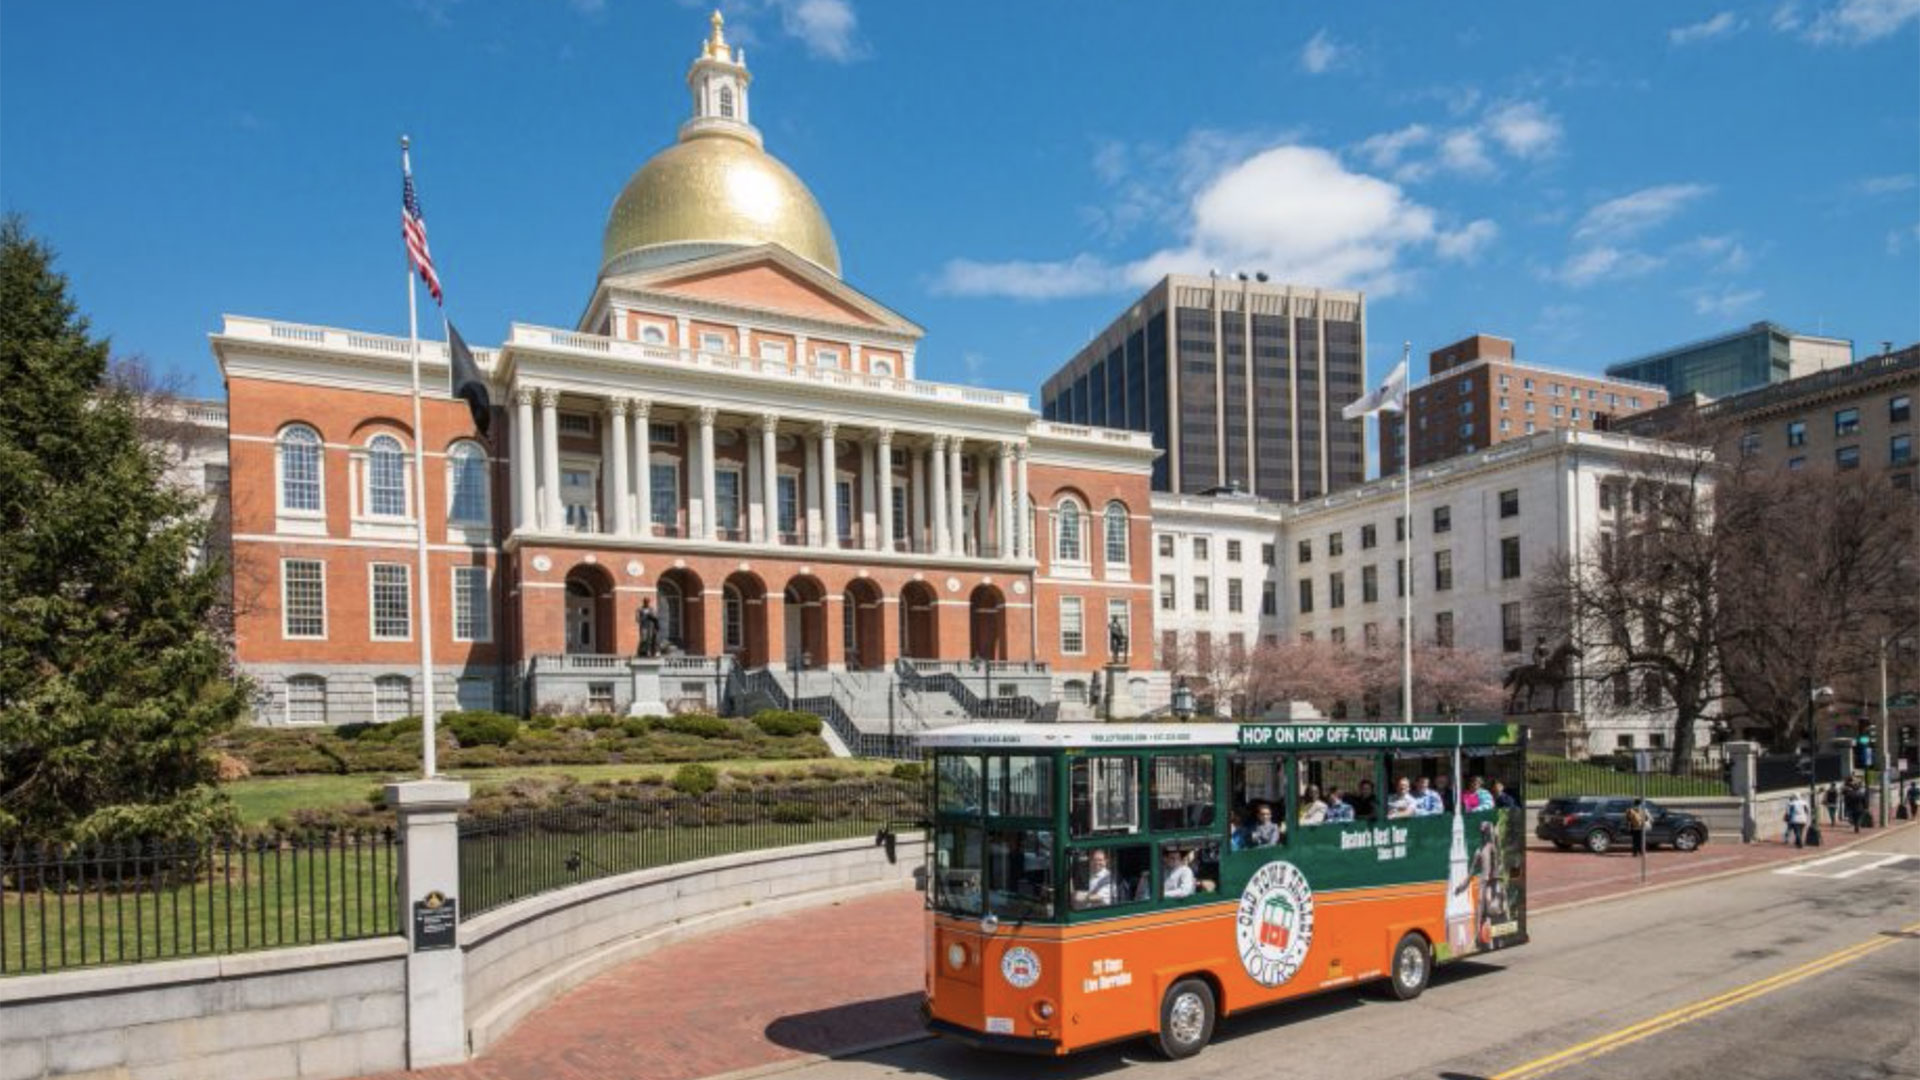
point(726, 102)
point(467, 483)
point(734, 625)
point(1067, 524)
point(883, 368)
point(300, 469)
point(1116, 533)
point(670, 611)
point(306, 699)
point(386, 477)
point(392, 698)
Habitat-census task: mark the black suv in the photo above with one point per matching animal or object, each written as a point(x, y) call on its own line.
point(1598, 822)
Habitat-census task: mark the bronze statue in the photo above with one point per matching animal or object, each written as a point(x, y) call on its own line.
point(649, 630)
point(1549, 670)
point(1116, 639)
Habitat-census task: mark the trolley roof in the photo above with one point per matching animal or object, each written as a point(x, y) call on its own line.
point(1045, 736)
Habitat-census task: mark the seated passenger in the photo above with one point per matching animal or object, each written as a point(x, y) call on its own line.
point(1338, 809)
point(1100, 882)
point(1362, 800)
point(1312, 810)
point(1502, 800)
point(1426, 801)
point(1400, 803)
point(1475, 798)
point(1237, 836)
point(1265, 832)
point(1176, 877)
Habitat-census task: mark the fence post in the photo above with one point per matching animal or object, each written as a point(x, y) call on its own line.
point(1741, 779)
point(429, 813)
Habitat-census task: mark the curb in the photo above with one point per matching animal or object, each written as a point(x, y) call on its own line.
point(1643, 890)
point(774, 1068)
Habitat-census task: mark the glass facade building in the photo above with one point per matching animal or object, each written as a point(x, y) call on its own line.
point(1737, 362)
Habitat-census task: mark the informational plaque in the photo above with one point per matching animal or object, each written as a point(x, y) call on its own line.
point(436, 921)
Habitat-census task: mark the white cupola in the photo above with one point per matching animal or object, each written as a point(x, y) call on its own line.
point(719, 81)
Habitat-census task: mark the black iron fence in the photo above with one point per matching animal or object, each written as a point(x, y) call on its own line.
point(509, 858)
point(77, 906)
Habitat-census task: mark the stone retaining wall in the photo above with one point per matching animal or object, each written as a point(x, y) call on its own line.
point(315, 1012)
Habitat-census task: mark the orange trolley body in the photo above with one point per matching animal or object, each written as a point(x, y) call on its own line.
point(1136, 902)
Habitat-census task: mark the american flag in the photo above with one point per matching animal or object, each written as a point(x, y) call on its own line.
point(414, 228)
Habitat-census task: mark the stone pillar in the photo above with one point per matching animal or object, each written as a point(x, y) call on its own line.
point(616, 497)
point(869, 495)
point(917, 496)
point(1003, 486)
point(1023, 525)
point(770, 482)
point(1743, 757)
point(956, 497)
point(429, 813)
point(829, 488)
point(810, 484)
point(709, 513)
point(553, 521)
point(883, 454)
point(643, 468)
point(526, 512)
point(942, 535)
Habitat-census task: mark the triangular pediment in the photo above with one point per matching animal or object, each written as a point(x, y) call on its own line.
point(767, 279)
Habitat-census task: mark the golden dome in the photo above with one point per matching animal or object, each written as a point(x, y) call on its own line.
point(711, 191)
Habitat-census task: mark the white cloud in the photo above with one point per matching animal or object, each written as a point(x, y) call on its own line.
point(1725, 251)
point(1152, 183)
point(1897, 239)
point(1293, 211)
point(1385, 150)
point(1596, 264)
point(1463, 152)
point(1786, 18)
point(1719, 26)
point(1886, 185)
point(1524, 129)
point(1630, 215)
point(1466, 244)
point(828, 28)
point(1322, 54)
point(1856, 22)
point(1726, 303)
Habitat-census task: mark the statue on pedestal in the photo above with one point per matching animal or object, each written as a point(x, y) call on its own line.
point(1549, 670)
point(649, 630)
point(1116, 639)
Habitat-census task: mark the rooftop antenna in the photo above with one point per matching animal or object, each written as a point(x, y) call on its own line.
point(1886, 347)
point(1260, 276)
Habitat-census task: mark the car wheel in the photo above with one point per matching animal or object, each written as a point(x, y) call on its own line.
point(1599, 841)
point(1563, 845)
point(1412, 967)
point(1186, 1019)
point(1686, 840)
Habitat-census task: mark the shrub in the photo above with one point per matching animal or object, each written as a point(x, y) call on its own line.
point(792, 813)
point(704, 727)
point(635, 728)
point(695, 779)
point(483, 728)
point(908, 770)
point(780, 722)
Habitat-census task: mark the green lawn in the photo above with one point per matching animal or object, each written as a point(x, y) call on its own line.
point(261, 800)
point(1563, 777)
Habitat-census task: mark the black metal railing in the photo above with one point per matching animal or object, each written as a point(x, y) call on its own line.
point(64, 907)
point(976, 706)
point(509, 858)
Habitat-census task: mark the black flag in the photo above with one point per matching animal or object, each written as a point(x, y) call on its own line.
point(467, 381)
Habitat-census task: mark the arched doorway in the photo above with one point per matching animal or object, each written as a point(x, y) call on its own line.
point(987, 624)
point(743, 622)
point(806, 604)
point(862, 625)
point(589, 610)
point(680, 603)
point(919, 621)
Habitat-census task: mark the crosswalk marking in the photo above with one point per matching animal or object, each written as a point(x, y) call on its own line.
point(1812, 869)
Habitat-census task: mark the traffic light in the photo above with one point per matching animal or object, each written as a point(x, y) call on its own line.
point(1863, 750)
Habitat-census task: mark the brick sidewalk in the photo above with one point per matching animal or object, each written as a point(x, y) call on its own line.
point(849, 974)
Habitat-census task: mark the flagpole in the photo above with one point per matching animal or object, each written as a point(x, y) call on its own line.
point(1406, 493)
point(429, 767)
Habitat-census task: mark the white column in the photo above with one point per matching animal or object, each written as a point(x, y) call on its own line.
point(526, 512)
point(829, 489)
point(1023, 527)
point(617, 492)
point(1003, 485)
point(883, 453)
point(956, 496)
point(770, 478)
point(917, 494)
point(869, 496)
point(983, 501)
point(550, 460)
point(643, 469)
point(810, 483)
point(942, 536)
point(709, 512)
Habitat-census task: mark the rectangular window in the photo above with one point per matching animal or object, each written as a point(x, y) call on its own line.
point(1336, 544)
point(1369, 537)
point(1442, 519)
point(1559, 411)
point(1235, 599)
point(1901, 450)
point(1796, 464)
point(392, 607)
point(572, 423)
point(1370, 635)
point(1369, 584)
point(1266, 555)
point(306, 700)
point(1622, 689)
point(663, 434)
point(1073, 638)
point(1336, 590)
point(1442, 571)
point(712, 342)
point(1166, 547)
point(1182, 792)
point(1399, 529)
point(1338, 635)
point(1200, 549)
point(773, 352)
point(577, 499)
point(392, 698)
point(826, 358)
point(600, 697)
point(787, 490)
point(1306, 596)
point(303, 598)
point(726, 497)
point(1510, 628)
point(1900, 409)
point(1233, 551)
point(1202, 594)
point(1305, 553)
point(1796, 433)
point(1749, 444)
point(665, 494)
point(1846, 422)
point(1400, 577)
point(1269, 599)
point(901, 527)
point(1168, 593)
point(843, 509)
point(1443, 629)
point(472, 606)
point(1105, 795)
point(1846, 457)
point(1510, 503)
point(1509, 558)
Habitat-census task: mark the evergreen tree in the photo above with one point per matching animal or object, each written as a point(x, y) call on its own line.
point(112, 676)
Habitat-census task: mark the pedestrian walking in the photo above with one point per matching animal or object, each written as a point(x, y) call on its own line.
point(1830, 799)
point(1637, 822)
point(1913, 798)
point(1798, 814)
point(1854, 802)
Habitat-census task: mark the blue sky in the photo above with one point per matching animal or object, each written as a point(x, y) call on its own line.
point(1596, 185)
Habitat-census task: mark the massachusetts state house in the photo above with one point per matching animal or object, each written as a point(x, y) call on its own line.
point(732, 438)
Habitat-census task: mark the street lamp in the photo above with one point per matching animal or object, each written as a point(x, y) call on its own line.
point(1183, 701)
point(1814, 698)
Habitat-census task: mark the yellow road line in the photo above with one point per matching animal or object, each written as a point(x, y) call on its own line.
point(1686, 1014)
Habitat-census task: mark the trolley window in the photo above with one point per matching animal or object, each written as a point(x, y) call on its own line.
point(1106, 796)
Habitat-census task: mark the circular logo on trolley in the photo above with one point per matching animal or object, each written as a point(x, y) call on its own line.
point(1274, 925)
point(1020, 967)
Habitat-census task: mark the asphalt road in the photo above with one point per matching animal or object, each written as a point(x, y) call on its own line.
point(1803, 973)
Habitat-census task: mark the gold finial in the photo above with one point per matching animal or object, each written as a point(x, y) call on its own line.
point(717, 44)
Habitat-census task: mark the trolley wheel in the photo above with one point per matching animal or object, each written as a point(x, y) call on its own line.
point(1599, 841)
point(1412, 967)
point(1186, 1019)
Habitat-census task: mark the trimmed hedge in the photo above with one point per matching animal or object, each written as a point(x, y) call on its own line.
point(782, 722)
point(695, 779)
point(704, 727)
